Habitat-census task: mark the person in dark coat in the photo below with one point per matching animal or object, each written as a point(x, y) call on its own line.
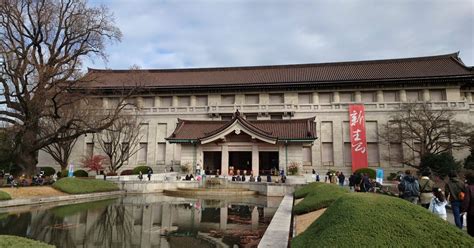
point(453, 189)
point(149, 174)
point(259, 178)
point(352, 179)
point(341, 178)
point(468, 203)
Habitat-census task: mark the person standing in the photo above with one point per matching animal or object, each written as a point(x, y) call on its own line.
point(454, 189)
point(468, 203)
point(426, 189)
point(438, 204)
point(409, 188)
point(342, 178)
point(149, 174)
point(352, 180)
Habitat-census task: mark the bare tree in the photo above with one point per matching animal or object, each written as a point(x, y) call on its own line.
point(121, 141)
point(425, 130)
point(42, 47)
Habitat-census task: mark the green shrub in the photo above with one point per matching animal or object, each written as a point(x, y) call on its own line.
point(373, 220)
point(126, 172)
point(318, 196)
point(4, 196)
point(370, 172)
point(20, 242)
point(392, 176)
point(144, 169)
point(72, 185)
point(303, 191)
point(81, 173)
point(48, 171)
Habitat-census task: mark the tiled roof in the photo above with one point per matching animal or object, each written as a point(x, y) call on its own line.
point(297, 129)
point(391, 69)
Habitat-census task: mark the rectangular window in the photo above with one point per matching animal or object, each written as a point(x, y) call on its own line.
point(161, 132)
point(142, 152)
point(166, 101)
point(148, 102)
point(276, 98)
point(396, 154)
point(307, 155)
point(161, 153)
point(228, 99)
point(346, 96)
point(201, 100)
point(184, 101)
point(89, 149)
point(252, 99)
point(305, 98)
point(325, 97)
point(373, 154)
point(347, 154)
point(125, 152)
point(413, 95)
point(326, 131)
point(438, 95)
point(368, 96)
point(327, 153)
point(226, 117)
point(276, 117)
point(251, 117)
point(391, 96)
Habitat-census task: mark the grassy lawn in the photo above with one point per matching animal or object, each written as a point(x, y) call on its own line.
point(19, 242)
point(373, 220)
point(4, 196)
point(72, 185)
point(317, 196)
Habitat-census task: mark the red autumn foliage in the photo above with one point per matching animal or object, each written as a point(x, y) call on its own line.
point(94, 163)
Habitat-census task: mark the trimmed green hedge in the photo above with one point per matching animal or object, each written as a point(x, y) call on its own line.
point(72, 185)
point(81, 173)
point(317, 196)
point(48, 171)
point(370, 172)
point(373, 220)
point(20, 242)
point(126, 172)
point(144, 169)
point(4, 196)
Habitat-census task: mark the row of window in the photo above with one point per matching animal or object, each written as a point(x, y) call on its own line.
point(142, 153)
point(303, 98)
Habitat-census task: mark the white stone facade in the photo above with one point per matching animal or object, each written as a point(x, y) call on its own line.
point(160, 114)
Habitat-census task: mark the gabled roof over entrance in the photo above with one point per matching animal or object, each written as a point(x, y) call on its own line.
point(269, 131)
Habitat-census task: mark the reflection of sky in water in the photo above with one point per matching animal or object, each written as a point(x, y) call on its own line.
point(144, 221)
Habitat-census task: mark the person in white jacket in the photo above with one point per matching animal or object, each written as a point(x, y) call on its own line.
point(438, 204)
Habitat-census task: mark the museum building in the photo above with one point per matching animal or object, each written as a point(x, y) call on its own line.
point(261, 118)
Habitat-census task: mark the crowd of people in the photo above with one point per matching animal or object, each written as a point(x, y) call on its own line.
point(37, 180)
point(458, 193)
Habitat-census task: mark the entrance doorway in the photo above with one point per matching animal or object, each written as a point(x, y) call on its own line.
point(240, 161)
point(268, 161)
point(212, 162)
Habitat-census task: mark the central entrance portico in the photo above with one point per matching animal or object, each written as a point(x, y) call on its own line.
point(251, 147)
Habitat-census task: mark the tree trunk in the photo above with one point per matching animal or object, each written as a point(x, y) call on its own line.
point(63, 165)
point(27, 161)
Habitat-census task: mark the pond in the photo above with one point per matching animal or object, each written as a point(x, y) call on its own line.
point(148, 220)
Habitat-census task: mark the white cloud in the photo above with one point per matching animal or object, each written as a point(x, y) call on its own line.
point(176, 34)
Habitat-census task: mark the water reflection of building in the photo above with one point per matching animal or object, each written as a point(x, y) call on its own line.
point(143, 221)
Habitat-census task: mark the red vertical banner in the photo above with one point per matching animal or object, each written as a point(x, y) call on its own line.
point(358, 137)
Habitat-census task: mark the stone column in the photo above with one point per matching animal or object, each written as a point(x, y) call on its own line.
point(358, 96)
point(335, 97)
point(380, 96)
point(315, 98)
point(225, 160)
point(403, 96)
point(426, 95)
point(223, 218)
point(255, 160)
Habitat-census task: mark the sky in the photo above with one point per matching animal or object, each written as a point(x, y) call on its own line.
point(221, 33)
